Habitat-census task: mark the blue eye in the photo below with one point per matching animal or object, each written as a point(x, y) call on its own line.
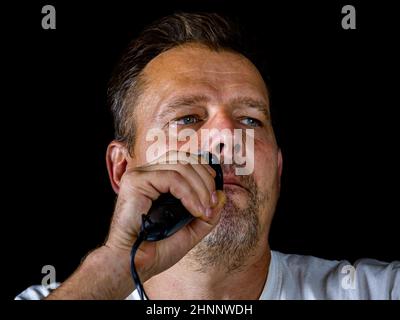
point(186, 120)
point(251, 122)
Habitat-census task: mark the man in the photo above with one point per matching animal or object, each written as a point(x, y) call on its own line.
point(188, 71)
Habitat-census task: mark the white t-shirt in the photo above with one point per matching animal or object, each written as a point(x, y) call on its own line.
point(297, 277)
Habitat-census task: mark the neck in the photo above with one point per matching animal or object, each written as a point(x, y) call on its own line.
point(183, 282)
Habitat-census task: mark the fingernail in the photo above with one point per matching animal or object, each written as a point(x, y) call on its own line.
point(221, 198)
point(209, 212)
point(214, 198)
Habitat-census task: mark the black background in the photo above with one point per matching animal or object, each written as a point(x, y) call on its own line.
point(335, 93)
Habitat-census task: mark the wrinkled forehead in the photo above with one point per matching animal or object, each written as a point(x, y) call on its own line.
point(197, 67)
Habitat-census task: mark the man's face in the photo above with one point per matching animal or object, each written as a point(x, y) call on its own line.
point(192, 87)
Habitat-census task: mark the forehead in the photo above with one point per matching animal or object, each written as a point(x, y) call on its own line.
point(196, 68)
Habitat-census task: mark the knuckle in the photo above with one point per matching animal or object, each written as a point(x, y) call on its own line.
point(174, 175)
point(128, 176)
point(187, 192)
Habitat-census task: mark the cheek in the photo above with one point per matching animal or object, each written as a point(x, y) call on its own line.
point(148, 147)
point(150, 151)
point(265, 163)
point(152, 143)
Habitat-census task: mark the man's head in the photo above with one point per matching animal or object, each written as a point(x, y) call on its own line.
point(187, 71)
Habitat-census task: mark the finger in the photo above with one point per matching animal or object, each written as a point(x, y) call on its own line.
point(208, 180)
point(177, 157)
point(174, 157)
point(198, 181)
point(174, 182)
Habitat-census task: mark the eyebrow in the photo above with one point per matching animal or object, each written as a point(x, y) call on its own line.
point(182, 101)
point(193, 100)
point(260, 105)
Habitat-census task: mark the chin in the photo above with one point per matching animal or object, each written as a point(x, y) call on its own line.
point(238, 196)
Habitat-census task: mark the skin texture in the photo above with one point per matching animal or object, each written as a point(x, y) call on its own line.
point(227, 247)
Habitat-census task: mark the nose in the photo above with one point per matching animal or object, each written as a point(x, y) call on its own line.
point(221, 120)
point(218, 135)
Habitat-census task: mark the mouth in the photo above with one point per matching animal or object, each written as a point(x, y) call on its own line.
point(231, 182)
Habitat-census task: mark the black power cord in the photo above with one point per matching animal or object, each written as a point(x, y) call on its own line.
point(139, 287)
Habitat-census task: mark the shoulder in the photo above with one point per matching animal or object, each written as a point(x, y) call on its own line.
point(36, 292)
point(378, 279)
point(309, 277)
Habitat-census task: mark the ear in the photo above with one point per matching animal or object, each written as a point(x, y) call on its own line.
point(116, 159)
point(280, 165)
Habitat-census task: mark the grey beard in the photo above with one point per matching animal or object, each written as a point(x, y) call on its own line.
point(233, 240)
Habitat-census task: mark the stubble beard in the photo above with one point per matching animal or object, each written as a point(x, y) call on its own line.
point(233, 241)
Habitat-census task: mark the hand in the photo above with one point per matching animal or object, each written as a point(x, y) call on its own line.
point(186, 179)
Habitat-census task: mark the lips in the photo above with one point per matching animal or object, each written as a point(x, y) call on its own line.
point(233, 181)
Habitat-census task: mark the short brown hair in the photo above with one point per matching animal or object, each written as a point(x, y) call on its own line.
point(210, 29)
